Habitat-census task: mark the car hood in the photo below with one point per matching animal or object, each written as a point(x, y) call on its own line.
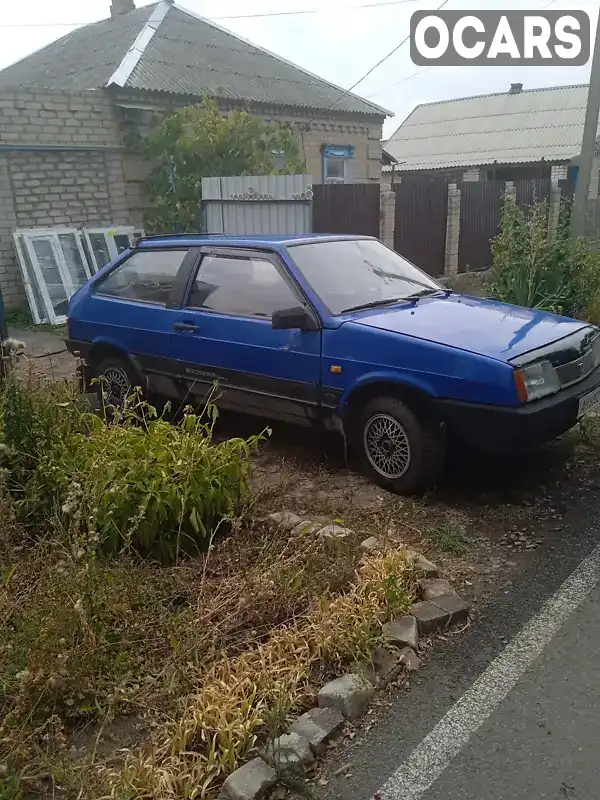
point(480, 326)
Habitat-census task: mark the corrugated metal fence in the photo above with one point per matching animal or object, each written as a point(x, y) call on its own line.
point(420, 223)
point(352, 208)
point(257, 204)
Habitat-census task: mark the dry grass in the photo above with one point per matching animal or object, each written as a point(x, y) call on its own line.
point(242, 700)
point(209, 654)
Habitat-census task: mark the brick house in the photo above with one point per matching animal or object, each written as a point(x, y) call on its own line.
point(507, 136)
point(64, 112)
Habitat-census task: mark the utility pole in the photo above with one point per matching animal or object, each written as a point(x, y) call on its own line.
point(588, 145)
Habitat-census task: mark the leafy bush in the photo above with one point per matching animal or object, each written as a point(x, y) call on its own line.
point(35, 419)
point(534, 268)
point(198, 142)
point(139, 482)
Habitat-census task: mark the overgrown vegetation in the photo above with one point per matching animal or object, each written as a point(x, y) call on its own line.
point(190, 664)
point(540, 269)
point(199, 142)
point(142, 483)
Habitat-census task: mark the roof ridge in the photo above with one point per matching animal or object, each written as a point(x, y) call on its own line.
point(132, 57)
point(499, 94)
point(213, 24)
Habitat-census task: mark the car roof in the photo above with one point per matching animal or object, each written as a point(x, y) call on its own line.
point(271, 241)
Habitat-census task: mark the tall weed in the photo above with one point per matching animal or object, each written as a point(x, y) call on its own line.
point(137, 483)
point(538, 269)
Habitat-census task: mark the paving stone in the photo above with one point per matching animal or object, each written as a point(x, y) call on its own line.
point(319, 726)
point(371, 545)
point(336, 538)
point(402, 632)
point(430, 618)
point(409, 659)
point(385, 665)
point(250, 782)
point(307, 528)
point(284, 519)
point(425, 567)
point(349, 695)
point(288, 753)
point(434, 587)
point(455, 606)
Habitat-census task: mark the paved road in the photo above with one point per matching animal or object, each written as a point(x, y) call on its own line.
point(511, 709)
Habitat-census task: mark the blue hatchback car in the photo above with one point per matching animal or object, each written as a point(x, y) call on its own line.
point(339, 332)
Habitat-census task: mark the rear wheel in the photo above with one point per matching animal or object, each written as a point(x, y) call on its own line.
point(400, 451)
point(116, 381)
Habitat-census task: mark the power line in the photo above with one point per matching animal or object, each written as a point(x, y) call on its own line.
point(298, 12)
point(374, 67)
point(420, 71)
point(318, 10)
point(402, 80)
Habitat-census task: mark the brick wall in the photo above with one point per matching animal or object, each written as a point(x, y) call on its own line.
point(360, 132)
point(60, 164)
point(363, 133)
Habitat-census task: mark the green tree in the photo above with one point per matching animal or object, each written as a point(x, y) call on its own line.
point(198, 142)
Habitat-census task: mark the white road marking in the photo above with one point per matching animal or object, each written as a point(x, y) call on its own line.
point(431, 757)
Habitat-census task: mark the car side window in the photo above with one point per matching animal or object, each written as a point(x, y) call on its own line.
point(146, 277)
point(244, 285)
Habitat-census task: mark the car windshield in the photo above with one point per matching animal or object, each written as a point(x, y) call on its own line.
point(350, 274)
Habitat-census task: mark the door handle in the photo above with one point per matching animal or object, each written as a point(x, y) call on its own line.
point(185, 326)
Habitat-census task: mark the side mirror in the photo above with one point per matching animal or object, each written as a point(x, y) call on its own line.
point(294, 318)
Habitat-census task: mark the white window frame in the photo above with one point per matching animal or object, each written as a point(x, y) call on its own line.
point(51, 235)
point(109, 238)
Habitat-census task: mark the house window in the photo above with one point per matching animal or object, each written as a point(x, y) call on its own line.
point(337, 163)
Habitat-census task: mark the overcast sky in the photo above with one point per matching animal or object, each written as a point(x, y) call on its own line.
point(338, 42)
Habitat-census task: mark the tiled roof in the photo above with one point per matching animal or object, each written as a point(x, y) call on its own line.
point(507, 128)
point(165, 48)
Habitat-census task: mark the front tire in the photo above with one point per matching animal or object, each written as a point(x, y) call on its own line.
point(401, 452)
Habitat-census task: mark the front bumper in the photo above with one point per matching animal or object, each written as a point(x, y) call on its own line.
point(502, 429)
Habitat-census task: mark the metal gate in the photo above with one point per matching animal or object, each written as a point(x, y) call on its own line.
point(352, 208)
point(274, 204)
point(480, 209)
point(420, 224)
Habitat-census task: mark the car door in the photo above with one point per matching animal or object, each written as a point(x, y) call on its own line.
point(130, 309)
point(224, 334)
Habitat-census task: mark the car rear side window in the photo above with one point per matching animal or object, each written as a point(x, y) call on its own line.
point(249, 286)
point(146, 277)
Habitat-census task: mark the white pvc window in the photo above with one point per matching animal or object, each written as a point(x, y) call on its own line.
point(105, 244)
point(53, 265)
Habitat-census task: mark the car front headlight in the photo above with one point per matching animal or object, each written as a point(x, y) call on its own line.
point(536, 380)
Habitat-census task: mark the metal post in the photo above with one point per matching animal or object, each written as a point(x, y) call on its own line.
point(590, 132)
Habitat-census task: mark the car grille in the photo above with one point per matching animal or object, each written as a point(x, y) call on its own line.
point(577, 370)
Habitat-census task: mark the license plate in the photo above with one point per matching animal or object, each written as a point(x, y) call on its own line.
point(589, 402)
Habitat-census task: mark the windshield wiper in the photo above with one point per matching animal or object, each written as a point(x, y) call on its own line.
point(375, 303)
point(428, 293)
